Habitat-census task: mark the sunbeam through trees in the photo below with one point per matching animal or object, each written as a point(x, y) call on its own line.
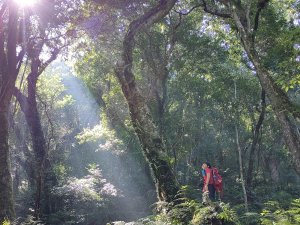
point(130, 112)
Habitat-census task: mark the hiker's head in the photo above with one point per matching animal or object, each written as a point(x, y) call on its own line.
point(206, 165)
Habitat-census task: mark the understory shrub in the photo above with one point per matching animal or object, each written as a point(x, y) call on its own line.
point(275, 214)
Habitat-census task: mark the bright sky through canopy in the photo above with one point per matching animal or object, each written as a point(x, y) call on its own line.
point(26, 3)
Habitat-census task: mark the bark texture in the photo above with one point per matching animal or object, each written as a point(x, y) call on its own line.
point(148, 134)
point(6, 187)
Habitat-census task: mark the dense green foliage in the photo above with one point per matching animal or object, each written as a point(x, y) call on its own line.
point(203, 95)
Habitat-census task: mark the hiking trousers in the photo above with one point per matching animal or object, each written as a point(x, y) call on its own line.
point(212, 192)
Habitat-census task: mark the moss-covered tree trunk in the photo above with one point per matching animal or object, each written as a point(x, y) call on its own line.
point(148, 134)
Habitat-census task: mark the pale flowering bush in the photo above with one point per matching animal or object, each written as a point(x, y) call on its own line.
point(91, 187)
point(91, 193)
point(109, 189)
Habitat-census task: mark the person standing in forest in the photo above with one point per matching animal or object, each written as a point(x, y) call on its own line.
point(208, 186)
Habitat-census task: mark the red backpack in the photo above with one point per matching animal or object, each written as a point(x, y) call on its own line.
point(218, 180)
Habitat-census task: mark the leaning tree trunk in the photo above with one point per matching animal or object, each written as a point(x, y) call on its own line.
point(30, 110)
point(282, 106)
point(148, 134)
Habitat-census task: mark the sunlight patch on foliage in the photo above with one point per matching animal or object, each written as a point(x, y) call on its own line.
point(105, 137)
point(289, 84)
point(51, 89)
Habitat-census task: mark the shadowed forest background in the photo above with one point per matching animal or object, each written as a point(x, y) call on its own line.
point(109, 108)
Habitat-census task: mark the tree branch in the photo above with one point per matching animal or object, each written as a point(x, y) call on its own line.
point(153, 16)
point(247, 15)
point(2, 52)
point(146, 20)
point(262, 114)
point(50, 60)
point(21, 98)
point(214, 11)
point(12, 41)
point(260, 6)
point(20, 59)
point(188, 12)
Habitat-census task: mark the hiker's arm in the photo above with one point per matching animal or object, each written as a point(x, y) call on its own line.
point(206, 182)
point(207, 178)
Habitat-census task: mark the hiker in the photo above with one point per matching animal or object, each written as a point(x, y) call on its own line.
point(218, 183)
point(208, 187)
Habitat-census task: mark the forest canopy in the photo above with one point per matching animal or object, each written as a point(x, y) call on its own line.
point(124, 110)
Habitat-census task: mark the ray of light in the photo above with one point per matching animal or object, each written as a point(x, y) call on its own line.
point(26, 3)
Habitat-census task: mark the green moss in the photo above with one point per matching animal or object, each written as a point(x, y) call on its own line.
point(6, 222)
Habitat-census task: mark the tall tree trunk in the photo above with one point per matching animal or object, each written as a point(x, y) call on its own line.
point(29, 108)
point(256, 133)
point(240, 156)
point(6, 186)
point(37, 134)
point(8, 74)
point(148, 134)
point(241, 168)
